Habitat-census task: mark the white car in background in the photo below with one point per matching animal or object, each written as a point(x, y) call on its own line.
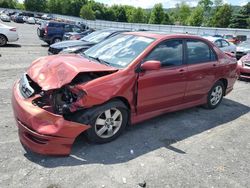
point(31, 20)
point(7, 34)
point(221, 43)
point(5, 18)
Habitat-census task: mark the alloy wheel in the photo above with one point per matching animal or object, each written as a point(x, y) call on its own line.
point(216, 95)
point(108, 123)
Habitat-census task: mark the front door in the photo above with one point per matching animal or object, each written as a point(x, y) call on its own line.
point(160, 89)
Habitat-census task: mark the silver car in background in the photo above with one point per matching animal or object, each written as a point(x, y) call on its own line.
point(223, 44)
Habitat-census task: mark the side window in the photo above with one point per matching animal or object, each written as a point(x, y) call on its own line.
point(67, 28)
point(199, 52)
point(218, 43)
point(169, 53)
point(225, 43)
point(76, 29)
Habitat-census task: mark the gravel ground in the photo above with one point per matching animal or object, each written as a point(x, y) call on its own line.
point(189, 148)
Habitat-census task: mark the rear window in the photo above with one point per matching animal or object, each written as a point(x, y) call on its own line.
point(199, 52)
point(53, 24)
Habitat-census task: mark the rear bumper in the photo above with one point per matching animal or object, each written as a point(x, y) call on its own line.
point(12, 36)
point(41, 131)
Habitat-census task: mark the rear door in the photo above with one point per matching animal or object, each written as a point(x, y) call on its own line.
point(201, 70)
point(160, 89)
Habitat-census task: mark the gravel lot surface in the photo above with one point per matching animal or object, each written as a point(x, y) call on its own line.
point(189, 148)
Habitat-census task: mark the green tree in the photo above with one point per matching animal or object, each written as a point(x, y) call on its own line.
point(8, 3)
point(183, 13)
point(138, 16)
point(75, 6)
point(167, 19)
point(86, 12)
point(129, 11)
point(109, 14)
point(55, 6)
point(35, 5)
point(196, 17)
point(120, 13)
point(20, 6)
point(222, 16)
point(207, 7)
point(241, 19)
point(157, 14)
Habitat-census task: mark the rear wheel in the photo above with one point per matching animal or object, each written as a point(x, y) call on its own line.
point(3, 40)
point(215, 95)
point(56, 40)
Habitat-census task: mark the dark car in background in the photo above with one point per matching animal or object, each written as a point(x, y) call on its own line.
point(77, 46)
point(19, 19)
point(52, 32)
point(77, 36)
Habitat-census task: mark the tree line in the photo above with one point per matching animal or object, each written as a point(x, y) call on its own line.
point(210, 13)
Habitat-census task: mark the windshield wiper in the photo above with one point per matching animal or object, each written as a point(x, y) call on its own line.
point(100, 60)
point(96, 59)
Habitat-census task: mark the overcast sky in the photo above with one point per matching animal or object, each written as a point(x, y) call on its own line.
point(166, 3)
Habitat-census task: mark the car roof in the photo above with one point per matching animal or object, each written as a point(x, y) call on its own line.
point(212, 39)
point(164, 35)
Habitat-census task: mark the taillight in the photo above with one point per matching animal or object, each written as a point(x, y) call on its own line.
point(46, 30)
point(13, 29)
point(75, 37)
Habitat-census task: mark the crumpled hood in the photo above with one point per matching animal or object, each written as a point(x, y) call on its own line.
point(53, 72)
point(70, 43)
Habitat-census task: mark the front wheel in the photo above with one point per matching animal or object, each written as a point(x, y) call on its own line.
point(215, 95)
point(108, 123)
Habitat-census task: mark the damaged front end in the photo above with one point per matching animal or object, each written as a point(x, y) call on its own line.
point(67, 99)
point(41, 114)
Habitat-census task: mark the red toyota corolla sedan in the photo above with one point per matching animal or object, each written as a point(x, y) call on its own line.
point(124, 80)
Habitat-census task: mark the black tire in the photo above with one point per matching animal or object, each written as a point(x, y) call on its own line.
point(95, 113)
point(221, 91)
point(3, 40)
point(57, 39)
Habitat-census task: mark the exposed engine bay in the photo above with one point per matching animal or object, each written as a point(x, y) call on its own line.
point(60, 101)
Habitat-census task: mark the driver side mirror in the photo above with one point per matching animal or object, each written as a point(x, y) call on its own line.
point(151, 65)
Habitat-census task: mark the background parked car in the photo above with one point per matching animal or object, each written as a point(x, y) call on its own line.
point(244, 66)
point(52, 32)
point(242, 49)
point(31, 20)
point(77, 46)
point(47, 17)
point(232, 39)
point(223, 44)
point(19, 19)
point(7, 34)
point(77, 36)
point(5, 18)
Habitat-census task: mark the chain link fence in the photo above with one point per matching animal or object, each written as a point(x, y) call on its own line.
point(100, 24)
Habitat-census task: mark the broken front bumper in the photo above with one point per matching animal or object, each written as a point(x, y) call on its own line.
point(42, 131)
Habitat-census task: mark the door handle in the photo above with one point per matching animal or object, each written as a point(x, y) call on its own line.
point(181, 71)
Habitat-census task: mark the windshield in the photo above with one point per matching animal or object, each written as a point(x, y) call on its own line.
point(119, 51)
point(245, 44)
point(96, 36)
